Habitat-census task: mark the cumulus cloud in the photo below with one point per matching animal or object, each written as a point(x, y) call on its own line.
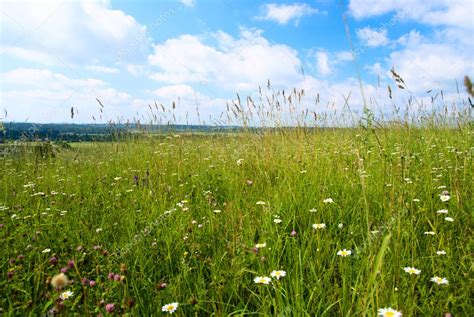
point(284, 13)
point(103, 69)
point(456, 13)
point(70, 32)
point(233, 64)
point(41, 95)
point(372, 37)
point(431, 65)
point(188, 3)
point(322, 63)
point(192, 106)
point(425, 62)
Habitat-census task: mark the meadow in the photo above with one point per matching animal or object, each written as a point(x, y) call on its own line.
point(287, 222)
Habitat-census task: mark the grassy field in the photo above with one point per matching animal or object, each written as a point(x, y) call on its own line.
point(198, 220)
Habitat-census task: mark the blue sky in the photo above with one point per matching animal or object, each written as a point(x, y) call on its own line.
point(59, 54)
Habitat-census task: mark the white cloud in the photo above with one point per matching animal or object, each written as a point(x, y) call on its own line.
point(327, 63)
point(103, 69)
point(234, 64)
point(322, 63)
point(376, 69)
point(191, 105)
point(456, 13)
point(41, 95)
point(70, 32)
point(28, 55)
point(188, 3)
point(372, 37)
point(427, 62)
point(431, 66)
point(343, 56)
point(284, 13)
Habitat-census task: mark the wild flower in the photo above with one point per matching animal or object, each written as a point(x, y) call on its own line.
point(429, 233)
point(328, 201)
point(46, 251)
point(449, 219)
point(389, 312)
point(411, 270)
point(110, 308)
point(442, 211)
point(442, 252)
point(53, 260)
point(66, 295)
point(262, 280)
point(439, 280)
point(277, 220)
point(260, 245)
point(170, 308)
point(344, 253)
point(444, 197)
point(317, 226)
point(278, 274)
point(59, 281)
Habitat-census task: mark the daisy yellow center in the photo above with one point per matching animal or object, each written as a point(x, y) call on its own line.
point(169, 307)
point(389, 314)
point(344, 253)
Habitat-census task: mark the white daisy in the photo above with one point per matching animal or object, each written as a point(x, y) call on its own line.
point(411, 270)
point(277, 274)
point(344, 253)
point(170, 308)
point(439, 280)
point(389, 312)
point(444, 197)
point(262, 280)
point(319, 226)
point(66, 295)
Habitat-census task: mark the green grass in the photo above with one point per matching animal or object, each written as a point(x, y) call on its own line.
point(385, 187)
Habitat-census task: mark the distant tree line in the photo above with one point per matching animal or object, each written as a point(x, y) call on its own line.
point(92, 132)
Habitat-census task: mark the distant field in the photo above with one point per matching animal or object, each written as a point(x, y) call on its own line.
point(195, 220)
